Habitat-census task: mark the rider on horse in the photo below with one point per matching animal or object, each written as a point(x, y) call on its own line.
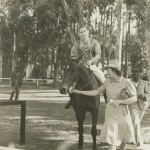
point(88, 49)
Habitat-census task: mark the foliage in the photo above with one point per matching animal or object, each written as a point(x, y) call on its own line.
point(138, 56)
point(141, 59)
point(42, 30)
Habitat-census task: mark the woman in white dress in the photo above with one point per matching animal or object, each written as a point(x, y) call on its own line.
point(118, 128)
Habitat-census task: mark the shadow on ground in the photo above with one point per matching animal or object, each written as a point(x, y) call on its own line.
point(50, 127)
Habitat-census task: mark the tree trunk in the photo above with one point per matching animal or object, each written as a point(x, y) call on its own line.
point(123, 49)
point(0, 59)
point(51, 75)
point(56, 66)
point(127, 42)
point(104, 39)
point(148, 37)
point(119, 31)
point(55, 74)
point(70, 23)
point(14, 51)
point(80, 5)
point(111, 34)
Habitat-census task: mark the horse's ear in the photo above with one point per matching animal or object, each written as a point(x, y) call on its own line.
point(72, 63)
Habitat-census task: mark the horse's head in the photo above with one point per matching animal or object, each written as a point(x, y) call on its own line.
point(76, 72)
point(70, 76)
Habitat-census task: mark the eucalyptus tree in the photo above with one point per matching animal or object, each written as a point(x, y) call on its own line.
point(17, 29)
point(39, 31)
point(5, 39)
point(36, 29)
point(97, 15)
point(50, 40)
point(138, 48)
point(146, 51)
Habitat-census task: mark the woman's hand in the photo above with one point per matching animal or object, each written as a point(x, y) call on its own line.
point(140, 96)
point(70, 90)
point(73, 90)
point(72, 87)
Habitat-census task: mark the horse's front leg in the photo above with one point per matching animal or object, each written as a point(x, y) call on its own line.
point(80, 118)
point(94, 127)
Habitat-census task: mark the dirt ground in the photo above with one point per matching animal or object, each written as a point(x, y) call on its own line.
point(50, 127)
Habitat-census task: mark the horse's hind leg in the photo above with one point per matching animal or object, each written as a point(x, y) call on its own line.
point(94, 127)
point(80, 118)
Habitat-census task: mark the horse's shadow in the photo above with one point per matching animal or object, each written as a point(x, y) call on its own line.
point(87, 146)
point(66, 145)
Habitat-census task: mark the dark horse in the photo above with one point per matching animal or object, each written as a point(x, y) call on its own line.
point(86, 80)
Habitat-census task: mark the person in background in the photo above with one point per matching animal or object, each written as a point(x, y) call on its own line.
point(137, 109)
point(89, 52)
point(16, 82)
point(118, 128)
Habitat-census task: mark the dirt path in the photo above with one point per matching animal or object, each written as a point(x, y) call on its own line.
point(50, 127)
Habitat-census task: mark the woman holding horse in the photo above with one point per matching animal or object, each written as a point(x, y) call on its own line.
point(118, 128)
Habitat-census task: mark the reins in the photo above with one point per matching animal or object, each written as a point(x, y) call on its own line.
point(85, 85)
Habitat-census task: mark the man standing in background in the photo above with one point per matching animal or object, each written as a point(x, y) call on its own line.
point(16, 82)
point(137, 110)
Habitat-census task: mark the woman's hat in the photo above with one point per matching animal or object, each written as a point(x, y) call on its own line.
point(113, 64)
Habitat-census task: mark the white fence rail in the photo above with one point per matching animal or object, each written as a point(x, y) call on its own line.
point(37, 81)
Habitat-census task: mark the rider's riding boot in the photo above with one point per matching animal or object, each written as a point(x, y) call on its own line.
point(69, 103)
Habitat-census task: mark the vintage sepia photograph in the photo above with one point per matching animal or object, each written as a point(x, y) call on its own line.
point(74, 74)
